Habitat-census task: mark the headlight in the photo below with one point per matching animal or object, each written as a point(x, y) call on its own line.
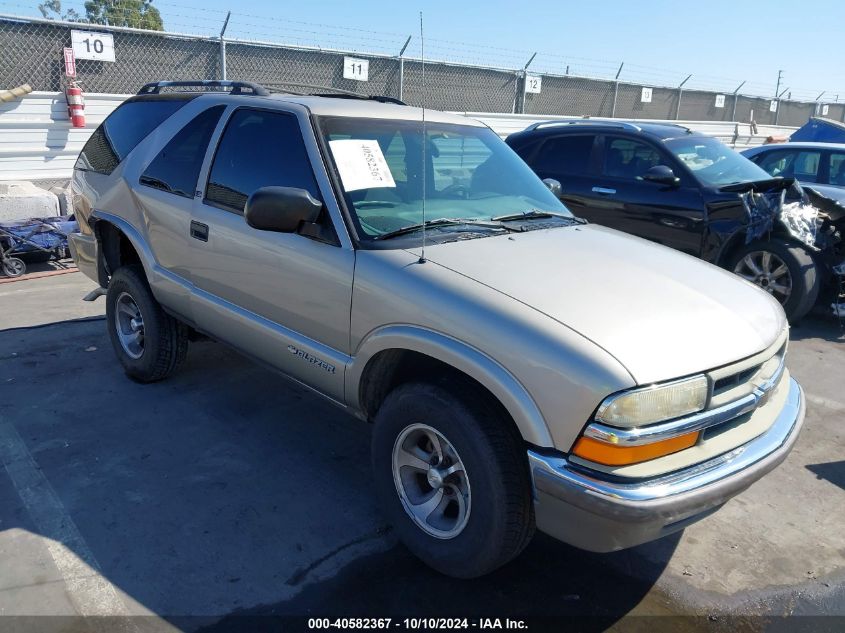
point(655, 404)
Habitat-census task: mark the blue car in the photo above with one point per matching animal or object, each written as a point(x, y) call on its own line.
point(817, 166)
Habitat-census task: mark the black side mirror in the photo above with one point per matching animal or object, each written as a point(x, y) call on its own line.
point(282, 209)
point(662, 175)
point(554, 186)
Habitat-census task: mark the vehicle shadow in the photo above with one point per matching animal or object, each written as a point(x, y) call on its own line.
point(227, 492)
point(819, 326)
point(549, 580)
point(834, 472)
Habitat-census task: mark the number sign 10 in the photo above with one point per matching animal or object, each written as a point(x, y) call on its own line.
point(91, 45)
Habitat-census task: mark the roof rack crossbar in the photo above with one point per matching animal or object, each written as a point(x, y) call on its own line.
point(234, 87)
point(620, 124)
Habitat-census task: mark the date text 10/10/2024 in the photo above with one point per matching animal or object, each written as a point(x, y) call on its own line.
point(417, 623)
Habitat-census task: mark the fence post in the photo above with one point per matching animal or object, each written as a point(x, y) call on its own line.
point(524, 75)
point(777, 102)
point(515, 91)
point(402, 69)
point(736, 98)
point(223, 47)
point(680, 94)
point(616, 91)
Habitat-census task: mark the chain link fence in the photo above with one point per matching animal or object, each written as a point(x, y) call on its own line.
point(31, 52)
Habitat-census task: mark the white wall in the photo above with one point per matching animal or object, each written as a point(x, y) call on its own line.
point(37, 142)
point(36, 139)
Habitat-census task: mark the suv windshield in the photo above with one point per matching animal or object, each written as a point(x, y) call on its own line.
point(713, 163)
point(469, 174)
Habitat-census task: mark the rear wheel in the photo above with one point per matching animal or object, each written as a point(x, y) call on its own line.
point(783, 269)
point(149, 343)
point(452, 479)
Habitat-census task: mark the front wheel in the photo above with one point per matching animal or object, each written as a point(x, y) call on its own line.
point(452, 479)
point(13, 267)
point(783, 269)
point(149, 343)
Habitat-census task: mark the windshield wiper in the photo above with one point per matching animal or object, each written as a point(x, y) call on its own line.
point(534, 214)
point(442, 222)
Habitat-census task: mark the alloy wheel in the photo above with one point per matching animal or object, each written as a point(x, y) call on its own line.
point(129, 323)
point(431, 481)
point(767, 270)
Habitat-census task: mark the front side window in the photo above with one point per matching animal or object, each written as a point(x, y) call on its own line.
point(122, 131)
point(802, 165)
point(177, 166)
point(464, 172)
point(629, 159)
point(713, 163)
point(776, 163)
point(258, 149)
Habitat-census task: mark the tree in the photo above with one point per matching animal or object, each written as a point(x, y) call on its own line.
point(52, 10)
point(138, 14)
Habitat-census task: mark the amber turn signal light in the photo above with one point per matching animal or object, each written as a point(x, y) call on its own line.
point(616, 455)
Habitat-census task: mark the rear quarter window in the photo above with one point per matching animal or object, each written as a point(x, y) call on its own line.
point(121, 132)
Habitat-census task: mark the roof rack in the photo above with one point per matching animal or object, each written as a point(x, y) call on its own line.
point(249, 88)
point(338, 93)
point(620, 124)
point(234, 87)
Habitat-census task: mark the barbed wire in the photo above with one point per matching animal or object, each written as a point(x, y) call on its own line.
point(243, 25)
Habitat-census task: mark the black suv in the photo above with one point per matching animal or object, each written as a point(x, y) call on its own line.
point(670, 185)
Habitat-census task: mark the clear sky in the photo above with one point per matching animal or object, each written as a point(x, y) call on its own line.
point(719, 42)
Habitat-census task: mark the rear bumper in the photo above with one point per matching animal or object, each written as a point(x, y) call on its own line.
point(83, 249)
point(604, 516)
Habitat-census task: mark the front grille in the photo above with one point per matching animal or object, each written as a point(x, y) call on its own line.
point(740, 379)
point(734, 380)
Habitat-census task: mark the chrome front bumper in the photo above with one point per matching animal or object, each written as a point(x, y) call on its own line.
point(603, 516)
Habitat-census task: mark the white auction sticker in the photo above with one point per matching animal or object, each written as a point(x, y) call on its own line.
point(361, 164)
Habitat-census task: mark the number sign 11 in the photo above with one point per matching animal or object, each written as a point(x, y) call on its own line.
point(90, 45)
point(357, 69)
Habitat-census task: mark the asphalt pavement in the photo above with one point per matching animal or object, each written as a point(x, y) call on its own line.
point(227, 492)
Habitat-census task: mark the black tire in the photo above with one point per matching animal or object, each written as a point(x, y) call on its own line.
point(804, 275)
point(500, 520)
point(13, 266)
point(164, 339)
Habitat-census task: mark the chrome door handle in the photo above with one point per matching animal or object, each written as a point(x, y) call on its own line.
point(604, 191)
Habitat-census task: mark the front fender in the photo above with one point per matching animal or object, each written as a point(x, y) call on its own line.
point(474, 363)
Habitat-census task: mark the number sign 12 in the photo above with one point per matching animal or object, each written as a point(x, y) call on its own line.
point(91, 45)
point(533, 84)
point(357, 69)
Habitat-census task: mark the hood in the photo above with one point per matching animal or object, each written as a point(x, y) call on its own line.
point(661, 313)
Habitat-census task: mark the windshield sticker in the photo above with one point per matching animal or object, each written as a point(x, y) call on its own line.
point(361, 164)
